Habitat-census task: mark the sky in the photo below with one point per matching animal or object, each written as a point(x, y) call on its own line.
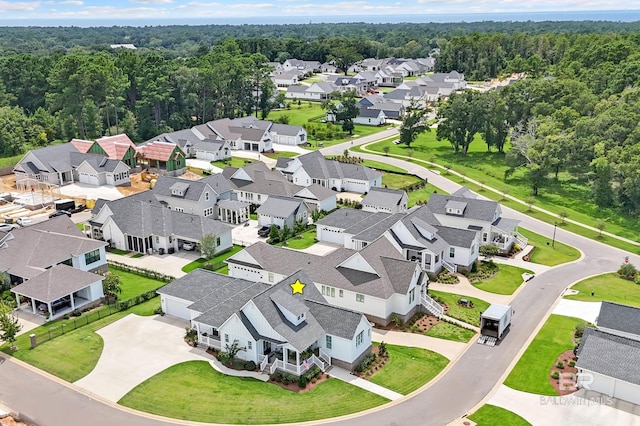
point(77, 10)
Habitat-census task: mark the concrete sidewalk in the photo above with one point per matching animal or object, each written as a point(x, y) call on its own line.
point(520, 263)
point(345, 376)
point(447, 348)
point(465, 288)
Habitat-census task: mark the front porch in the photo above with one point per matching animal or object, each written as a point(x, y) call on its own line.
point(292, 361)
point(504, 234)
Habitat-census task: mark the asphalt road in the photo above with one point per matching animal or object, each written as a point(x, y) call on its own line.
point(49, 403)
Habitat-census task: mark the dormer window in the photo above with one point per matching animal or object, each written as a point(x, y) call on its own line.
point(206, 196)
point(455, 208)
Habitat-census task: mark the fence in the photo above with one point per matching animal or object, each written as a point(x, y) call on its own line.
point(148, 273)
point(60, 327)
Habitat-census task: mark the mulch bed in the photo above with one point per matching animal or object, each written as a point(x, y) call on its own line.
point(293, 387)
point(564, 386)
point(420, 325)
point(375, 365)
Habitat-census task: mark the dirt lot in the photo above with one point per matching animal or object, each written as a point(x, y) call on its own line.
point(138, 185)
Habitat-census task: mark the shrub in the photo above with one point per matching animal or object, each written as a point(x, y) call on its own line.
point(302, 382)
point(382, 350)
point(572, 363)
point(446, 277)
point(579, 330)
point(76, 313)
point(396, 321)
point(158, 310)
point(627, 270)
point(560, 364)
point(314, 380)
point(555, 375)
point(66, 316)
point(191, 336)
point(250, 365)
point(364, 364)
point(636, 279)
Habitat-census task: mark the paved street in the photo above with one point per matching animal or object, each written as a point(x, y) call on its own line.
point(466, 383)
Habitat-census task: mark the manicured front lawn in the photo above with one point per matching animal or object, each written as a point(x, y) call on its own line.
point(490, 415)
point(409, 368)
point(423, 194)
point(301, 241)
point(194, 391)
point(278, 154)
point(199, 263)
point(531, 373)
point(448, 331)
point(610, 287)
point(233, 162)
point(382, 166)
point(75, 354)
point(544, 254)
point(134, 285)
point(506, 281)
point(118, 251)
point(468, 315)
point(397, 181)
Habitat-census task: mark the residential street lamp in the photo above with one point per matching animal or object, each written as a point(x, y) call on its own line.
point(553, 240)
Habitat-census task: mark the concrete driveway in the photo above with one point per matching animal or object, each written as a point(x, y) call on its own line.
point(203, 164)
point(321, 249)
point(136, 348)
point(168, 264)
point(246, 235)
point(91, 192)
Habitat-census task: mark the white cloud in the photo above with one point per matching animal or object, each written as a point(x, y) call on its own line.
point(152, 1)
point(8, 6)
point(71, 3)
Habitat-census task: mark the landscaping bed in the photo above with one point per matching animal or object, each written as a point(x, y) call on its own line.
point(432, 326)
point(563, 374)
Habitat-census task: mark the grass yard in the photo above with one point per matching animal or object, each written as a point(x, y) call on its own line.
point(382, 166)
point(10, 161)
point(610, 287)
point(565, 195)
point(423, 194)
point(506, 281)
point(490, 415)
point(531, 373)
point(448, 331)
point(545, 254)
point(118, 251)
point(278, 154)
point(468, 315)
point(409, 369)
point(301, 241)
point(194, 391)
point(232, 162)
point(134, 285)
point(397, 181)
point(75, 354)
point(199, 263)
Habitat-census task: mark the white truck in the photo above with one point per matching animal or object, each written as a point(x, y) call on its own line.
point(493, 323)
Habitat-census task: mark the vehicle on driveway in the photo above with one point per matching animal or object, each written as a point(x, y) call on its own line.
point(59, 213)
point(6, 227)
point(266, 230)
point(189, 246)
point(24, 221)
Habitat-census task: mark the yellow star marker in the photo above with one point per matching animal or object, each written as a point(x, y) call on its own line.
point(297, 287)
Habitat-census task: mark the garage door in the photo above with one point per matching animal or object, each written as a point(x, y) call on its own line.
point(204, 155)
point(176, 307)
point(627, 392)
point(89, 178)
point(331, 236)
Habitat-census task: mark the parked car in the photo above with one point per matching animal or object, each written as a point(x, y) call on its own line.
point(59, 213)
point(24, 221)
point(6, 227)
point(264, 231)
point(189, 246)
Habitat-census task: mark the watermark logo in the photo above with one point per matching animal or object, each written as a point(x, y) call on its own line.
point(573, 382)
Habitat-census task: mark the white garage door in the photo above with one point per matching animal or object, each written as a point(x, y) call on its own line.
point(627, 392)
point(204, 155)
point(176, 307)
point(329, 236)
point(89, 178)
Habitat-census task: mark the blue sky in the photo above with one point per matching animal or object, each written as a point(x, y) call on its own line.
point(220, 9)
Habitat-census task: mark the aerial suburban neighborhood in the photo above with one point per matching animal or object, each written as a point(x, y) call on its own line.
point(355, 232)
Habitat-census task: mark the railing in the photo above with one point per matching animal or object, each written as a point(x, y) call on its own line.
point(325, 357)
point(264, 362)
point(275, 366)
point(317, 361)
point(432, 306)
point(521, 239)
point(209, 342)
point(449, 266)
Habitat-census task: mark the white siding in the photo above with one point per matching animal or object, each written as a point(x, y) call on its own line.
point(175, 307)
point(612, 387)
point(235, 329)
point(371, 306)
point(329, 234)
point(79, 262)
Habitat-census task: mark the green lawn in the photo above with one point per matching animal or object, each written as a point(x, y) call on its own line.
point(134, 285)
point(565, 195)
point(276, 155)
point(409, 368)
point(253, 216)
point(506, 281)
point(301, 241)
point(610, 287)
point(232, 162)
point(547, 255)
point(199, 263)
point(531, 373)
point(196, 392)
point(10, 161)
point(423, 194)
point(118, 251)
point(468, 315)
point(448, 331)
point(75, 354)
point(382, 166)
point(490, 415)
point(396, 181)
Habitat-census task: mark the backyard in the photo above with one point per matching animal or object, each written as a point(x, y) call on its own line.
point(301, 241)
point(506, 281)
point(194, 391)
point(133, 285)
point(468, 315)
point(382, 166)
point(489, 415)
point(232, 162)
point(199, 263)
point(398, 181)
point(531, 373)
point(408, 368)
point(610, 287)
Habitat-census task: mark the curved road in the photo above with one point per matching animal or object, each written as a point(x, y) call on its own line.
point(48, 402)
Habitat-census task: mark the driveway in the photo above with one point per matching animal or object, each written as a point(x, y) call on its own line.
point(447, 348)
point(246, 235)
point(168, 264)
point(203, 164)
point(136, 348)
point(280, 147)
point(92, 192)
point(321, 249)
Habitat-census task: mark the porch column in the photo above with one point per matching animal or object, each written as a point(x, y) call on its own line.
point(49, 309)
point(298, 362)
point(73, 302)
point(17, 300)
point(33, 305)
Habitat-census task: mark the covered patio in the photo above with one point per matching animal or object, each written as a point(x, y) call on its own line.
point(233, 211)
point(58, 290)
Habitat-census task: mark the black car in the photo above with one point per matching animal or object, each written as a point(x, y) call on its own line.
point(59, 213)
point(264, 231)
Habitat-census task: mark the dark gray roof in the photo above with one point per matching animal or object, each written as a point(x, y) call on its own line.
point(610, 355)
point(282, 162)
point(285, 129)
point(193, 189)
point(383, 197)
point(54, 157)
point(506, 224)
point(232, 204)
point(283, 207)
point(620, 318)
point(367, 223)
point(319, 192)
point(100, 163)
point(344, 218)
point(98, 205)
point(374, 231)
point(475, 209)
point(209, 145)
point(397, 94)
point(335, 321)
point(369, 113)
point(464, 192)
point(316, 166)
point(456, 237)
point(295, 88)
point(56, 282)
point(195, 285)
point(263, 180)
point(423, 219)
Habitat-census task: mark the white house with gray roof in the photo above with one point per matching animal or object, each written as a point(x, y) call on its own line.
point(98, 170)
point(281, 211)
point(385, 200)
point(319, 91)
point(376, 281)
point(53, 265)
point(278, 328)
point(609, 355)
point(313, 168)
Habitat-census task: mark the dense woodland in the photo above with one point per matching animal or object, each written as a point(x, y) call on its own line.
point(577, 112)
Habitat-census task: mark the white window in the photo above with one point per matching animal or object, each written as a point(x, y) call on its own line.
point(333, 292)
point(360, 298)
point(270, 277)
point(328, 342)
point(412, 295)
point(359, 338)
point(206, 196)
point(484, 237)
point(226, 338)
point(452, 251)
point(341, 293)
point(249, 345)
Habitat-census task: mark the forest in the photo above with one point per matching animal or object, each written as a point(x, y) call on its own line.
point(577, 112)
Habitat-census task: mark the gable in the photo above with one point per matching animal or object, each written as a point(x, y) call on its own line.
point(241, 174)
point(358, 263)
point(244, 257)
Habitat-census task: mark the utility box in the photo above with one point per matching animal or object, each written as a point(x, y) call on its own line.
point(495, 321)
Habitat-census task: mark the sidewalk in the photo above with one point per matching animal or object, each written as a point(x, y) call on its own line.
point(270, 162)
point(447, 348)
point(520, 263)
point(587, 311)
point(345, 376)
point(464, 288)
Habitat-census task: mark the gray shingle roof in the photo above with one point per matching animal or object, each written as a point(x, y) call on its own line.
point(475, 209)
point(317, 166)
point(344, 218)
point(506, 224)
point(285, 129)
point(56, 282)
point(374, 231)
point(283, 207)
point(610, 355)
point(319, 192)
point(619, 317)
point(54, 158)
point(335, 321)
point(102, 164)
point(383, 197)
point(456, 237)
point(263, 181)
